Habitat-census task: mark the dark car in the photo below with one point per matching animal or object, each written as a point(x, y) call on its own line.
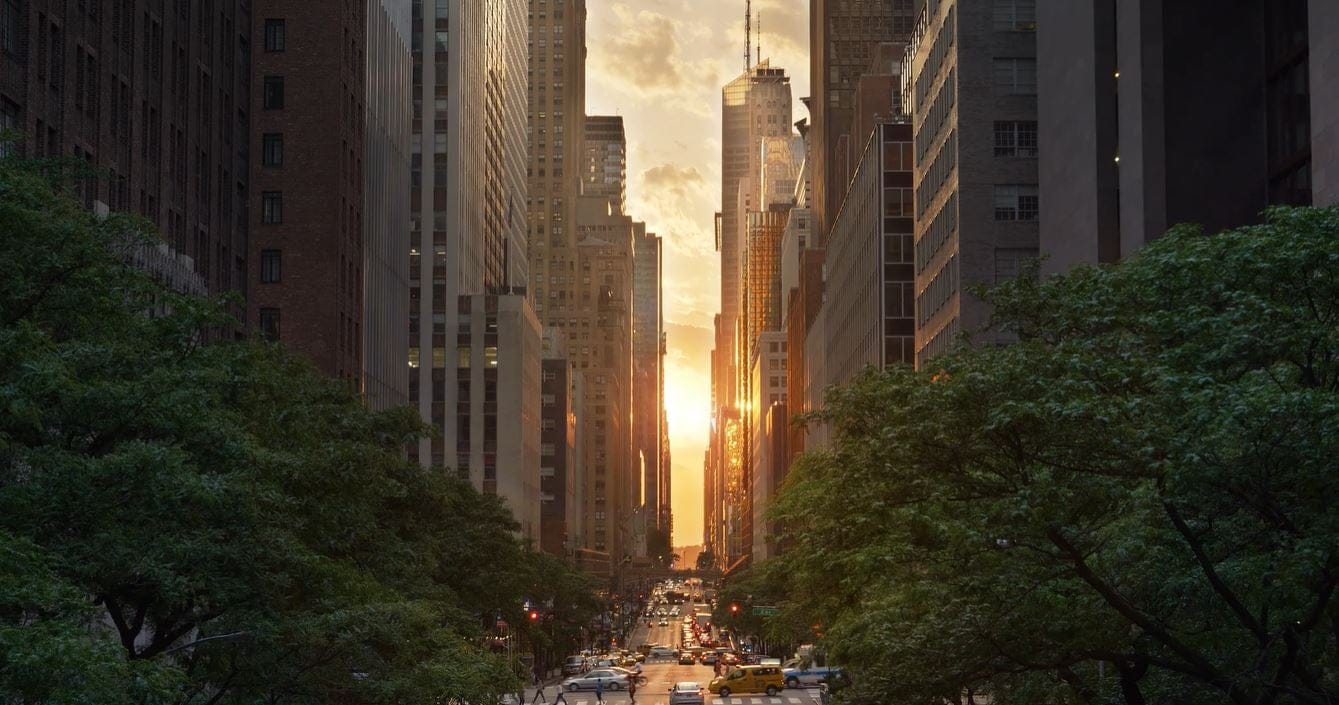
point(708, 658)
point(686, 659)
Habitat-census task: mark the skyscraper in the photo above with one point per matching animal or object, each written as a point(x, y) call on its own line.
point(605, 165)
point(843, 37)
point(468, 223)
point(598, 321)
point(648, 333)
point(972, 89)
point(755, 105)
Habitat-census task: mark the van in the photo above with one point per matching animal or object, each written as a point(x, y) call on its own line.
point(749, 679)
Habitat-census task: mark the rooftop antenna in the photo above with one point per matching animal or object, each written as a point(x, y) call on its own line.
point(748, 35)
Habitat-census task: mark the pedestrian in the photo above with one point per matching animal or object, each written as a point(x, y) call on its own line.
point(599, 690)
point(561, 697)
point(632, 690)
point(539, 693)
point(824, 695)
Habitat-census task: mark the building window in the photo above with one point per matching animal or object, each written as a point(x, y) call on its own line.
point(1016, 202)
point(270, 266)
point(546, 450)
point(9, 27)
point(274, 92)
point(9, 120)
point(272, 149)
point(272, 207)
point(1015, 76)
point(274, 35)
point(1015, 15)
point(1016, 138)
point(269, 323)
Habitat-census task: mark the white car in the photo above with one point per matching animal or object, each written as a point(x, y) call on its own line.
point(687, 693)
point(612, 680)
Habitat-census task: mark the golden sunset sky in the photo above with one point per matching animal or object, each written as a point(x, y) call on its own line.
point(661, 64)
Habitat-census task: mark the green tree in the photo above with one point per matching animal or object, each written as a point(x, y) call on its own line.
point(1132, 503)
point(216, 522)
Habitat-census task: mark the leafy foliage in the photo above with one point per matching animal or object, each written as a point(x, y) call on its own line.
point(184, 521)
point(1133, 503)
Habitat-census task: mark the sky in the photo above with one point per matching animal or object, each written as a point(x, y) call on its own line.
point(661, 65)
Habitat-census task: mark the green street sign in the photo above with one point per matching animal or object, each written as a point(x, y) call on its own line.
point(766, 611)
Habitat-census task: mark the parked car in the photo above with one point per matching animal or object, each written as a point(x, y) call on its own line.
point(687, 693)
point(686, 658)
point(613, 680)
point(575, 665)
point(749, 679)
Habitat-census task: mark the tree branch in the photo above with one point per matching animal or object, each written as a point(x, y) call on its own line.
point(1215, 580)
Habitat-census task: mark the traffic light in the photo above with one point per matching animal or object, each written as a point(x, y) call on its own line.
point(734, 608)
point(534, 615)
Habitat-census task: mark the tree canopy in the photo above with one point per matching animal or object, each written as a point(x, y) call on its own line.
point(1132, 503)
point(187, 519)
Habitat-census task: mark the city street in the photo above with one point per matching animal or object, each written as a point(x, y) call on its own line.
point(662, 675)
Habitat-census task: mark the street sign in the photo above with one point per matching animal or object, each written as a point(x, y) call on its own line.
point(766, 611)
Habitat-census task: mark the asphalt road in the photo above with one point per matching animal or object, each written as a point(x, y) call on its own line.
point(661, 675)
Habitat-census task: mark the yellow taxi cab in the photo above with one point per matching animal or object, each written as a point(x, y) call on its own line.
point(749, 679)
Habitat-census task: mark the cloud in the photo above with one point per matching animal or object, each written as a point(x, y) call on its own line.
point(643, 54)
point(676, 180)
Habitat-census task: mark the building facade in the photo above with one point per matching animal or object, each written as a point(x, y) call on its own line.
point(605, 164)
point(843, 37)
point(556, 126)
point(560, 475)
point(598, 323)
point(871, 275)
point(1132, 99)
point(498, 412)
point(307, 210)
point(972, 91)
point(385, 376)
point(765, 413)
point(648, 350)
point(159, 99)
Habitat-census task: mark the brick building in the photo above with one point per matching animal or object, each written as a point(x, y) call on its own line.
point(307, 197)
point(155, 95)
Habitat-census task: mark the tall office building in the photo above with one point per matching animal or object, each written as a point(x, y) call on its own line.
point(557, 124)
point(598, 321)
point(870, 273)
point(1154, 114)
point(767, 430)
point(648, 337)
point(468, 226)
point(972, 89)
point(755, 105)
point(156, 97)
point(605, 165)
point(385, 375)
point(843, 36)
